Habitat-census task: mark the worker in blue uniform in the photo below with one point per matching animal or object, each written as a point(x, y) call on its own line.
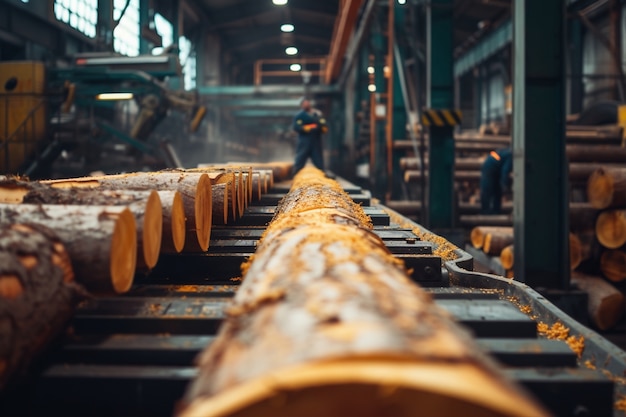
point(495, 179)
point(310, 124)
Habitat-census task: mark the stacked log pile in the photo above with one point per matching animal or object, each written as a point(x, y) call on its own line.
point(325, 313)
point(61, 240)
point(597, 245)
point(588, 148)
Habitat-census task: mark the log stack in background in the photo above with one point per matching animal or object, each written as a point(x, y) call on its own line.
point(326, 314)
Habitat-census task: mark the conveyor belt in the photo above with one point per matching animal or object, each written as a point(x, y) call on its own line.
point(133, 354)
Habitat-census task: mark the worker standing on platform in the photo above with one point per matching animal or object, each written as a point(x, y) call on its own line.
point(495, 179)
point(310, 124)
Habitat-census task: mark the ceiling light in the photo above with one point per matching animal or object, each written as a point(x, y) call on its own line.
point(371, 88)
point(295, 67)
point(401, 1)
point(370, 70)
point(291, 50)
point(279, 2)
point(114, 96)
point(287, 27)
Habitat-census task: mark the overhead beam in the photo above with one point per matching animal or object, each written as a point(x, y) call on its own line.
point(341, 35)
point(266, 113)
point(484, 49)
point(263, 90)
point(354, 46)
point(257, 103)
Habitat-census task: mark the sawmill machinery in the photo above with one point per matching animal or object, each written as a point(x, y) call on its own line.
point(98, 108)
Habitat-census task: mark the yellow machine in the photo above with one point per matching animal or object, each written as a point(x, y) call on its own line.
point(22, 111)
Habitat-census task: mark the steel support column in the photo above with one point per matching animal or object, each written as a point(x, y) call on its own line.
point(144, 20)
point(540, 183)
point(577, 88)
point(399, 118)
point(378, 152)
point(440, 86)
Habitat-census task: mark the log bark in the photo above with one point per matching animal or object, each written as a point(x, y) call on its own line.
point(37, 296)
point(460, 164)
point(599, 154)
point(220, 203)
point(582, 217)
point(172, 237)
point(412, 176)
point(507, 257)
point(497, 220)
point(194, 188)
point(325, 313)
point(497, 239)
point(101, 240)
point(480, 233)
point(258, 180)
point(174, 229)
point(613, 265)
point(611, 228)
point(606, 188)
point(575, 251)
point(605, 303)
point(145, 206)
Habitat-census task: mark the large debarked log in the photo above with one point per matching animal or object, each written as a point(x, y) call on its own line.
point(37, 296)
point(101, 240)
point(327, 322)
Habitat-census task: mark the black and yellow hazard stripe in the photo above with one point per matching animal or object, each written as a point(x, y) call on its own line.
point(441, 117)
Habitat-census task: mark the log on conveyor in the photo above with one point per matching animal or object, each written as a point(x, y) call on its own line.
point(194, 188)
point(611, 228)
point(145, 205)
point(613, 265)
point(101, 240)
point(605, 302)
point(606, 188)
point(228, 197)
point(37, 296)
point(326, 314)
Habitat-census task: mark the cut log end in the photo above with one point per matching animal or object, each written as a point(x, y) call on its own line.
point(575, 251)
point(477, 237)
point(123, 252)
point(600, 189)
point(611, 312)
point(611, 229)
point(384, 387)
point(178, 223)
point(12, 195)
point(11, 287)
point(203, 210)
point(507, 257)
point(152, 229)
point(613, 265)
